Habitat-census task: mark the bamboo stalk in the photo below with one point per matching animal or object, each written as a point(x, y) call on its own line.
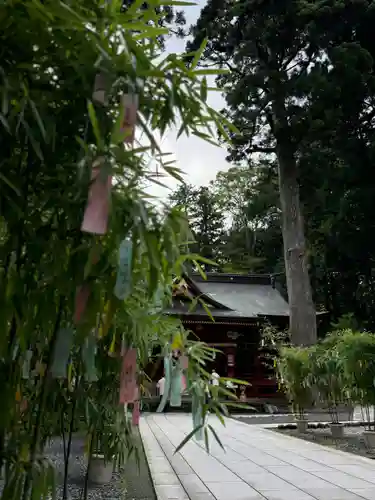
point(42, 403)
point(71, 426)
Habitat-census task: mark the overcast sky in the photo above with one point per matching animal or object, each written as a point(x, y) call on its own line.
point(199, 160)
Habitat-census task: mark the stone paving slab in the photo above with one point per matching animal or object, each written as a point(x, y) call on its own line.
point(257, 464)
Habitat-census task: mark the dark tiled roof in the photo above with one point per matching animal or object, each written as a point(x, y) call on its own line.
point(247, 299)
point(234, 296)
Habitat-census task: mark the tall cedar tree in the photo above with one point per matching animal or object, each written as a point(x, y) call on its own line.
point(273, 49)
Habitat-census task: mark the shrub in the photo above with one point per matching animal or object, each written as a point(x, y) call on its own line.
point(357, 353)
point(293, 371)
point(326, 377)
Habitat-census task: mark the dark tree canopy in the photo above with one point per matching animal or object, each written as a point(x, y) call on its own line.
point(300, 86)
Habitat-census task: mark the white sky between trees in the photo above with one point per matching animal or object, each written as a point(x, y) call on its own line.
point(198, 160)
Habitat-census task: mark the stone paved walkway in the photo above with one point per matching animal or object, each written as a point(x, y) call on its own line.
point(258, 464)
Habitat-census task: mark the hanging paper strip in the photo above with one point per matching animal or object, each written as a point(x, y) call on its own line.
point(136, 408)
point(82, 296)
point(88, 356)
point(26, 364)
point(100, 92)
point(167, 386)
point(184, 362)
point(130, 109)
point(183, 383)
point(176, 385)
point(61, 352)
point(128, 381)
point(124, 272)
point(196, 408)
point(95, 219)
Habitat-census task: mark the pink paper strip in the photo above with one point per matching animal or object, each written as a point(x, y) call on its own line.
point(82, 296)
point(183, 383)
point(136, 413)
point(184, 362)
point(95, 219)
point(128, 384)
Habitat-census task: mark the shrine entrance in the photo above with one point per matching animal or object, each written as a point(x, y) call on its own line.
point(235, 309)
point(224, 361)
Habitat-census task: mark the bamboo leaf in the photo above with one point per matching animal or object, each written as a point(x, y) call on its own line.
point(151, 33)
point(206, 308)
point(5, 123)
point(216, 436)
point(10, 184)
point(199, 258)
point(188, 437)
point(207, 71)
point(206, 440)
point(179, 3)
point(73, 16)
point(38, 119)
point(200, 270)
point(242, 406)
point(94, 123)
point(198, 55)
point(219, 415)
point(35, 144)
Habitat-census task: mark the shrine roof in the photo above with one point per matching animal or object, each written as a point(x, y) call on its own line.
point(232, 296)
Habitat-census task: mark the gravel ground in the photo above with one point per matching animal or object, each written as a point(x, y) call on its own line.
point(132, 483)
point(352, 442)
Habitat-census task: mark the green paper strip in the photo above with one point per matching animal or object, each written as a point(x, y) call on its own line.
point(176, 384)
point(62, 352)
point(124, 272)
point(167, 386)
point(88, 357)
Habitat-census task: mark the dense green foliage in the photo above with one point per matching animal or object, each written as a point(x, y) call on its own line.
point(52, 134)
point(300, 88)
point(338, 370)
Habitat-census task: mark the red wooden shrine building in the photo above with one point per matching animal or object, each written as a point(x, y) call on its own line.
point(240, 305)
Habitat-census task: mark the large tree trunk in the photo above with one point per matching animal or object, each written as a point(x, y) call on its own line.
point(302, 323)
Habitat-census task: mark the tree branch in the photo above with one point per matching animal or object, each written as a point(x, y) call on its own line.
point(261, 149)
